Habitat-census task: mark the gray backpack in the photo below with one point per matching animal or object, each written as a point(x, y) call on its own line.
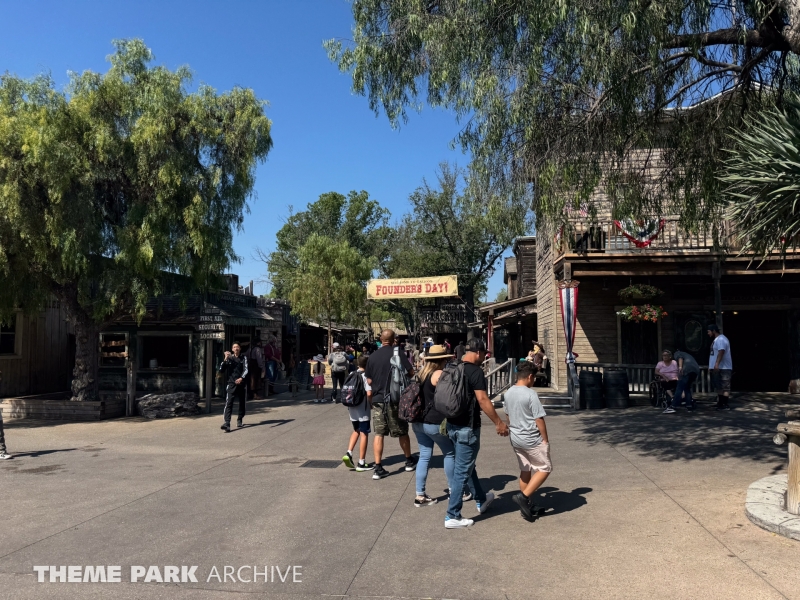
point(452, 398)
point(398, 379)
point(339, 362)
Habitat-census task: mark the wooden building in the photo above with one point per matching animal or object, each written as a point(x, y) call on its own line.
point(176, 347)
point(179, 344)
point(511, 326)
point(703, 281)
point(37, 353)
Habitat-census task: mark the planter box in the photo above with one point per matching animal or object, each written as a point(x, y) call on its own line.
point(48, 407)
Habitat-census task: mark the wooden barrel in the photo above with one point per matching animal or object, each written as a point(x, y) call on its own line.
point(615, 388)
point(591, 389)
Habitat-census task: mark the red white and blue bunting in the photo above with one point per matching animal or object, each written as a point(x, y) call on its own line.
point(641, 232)
point(568, 293)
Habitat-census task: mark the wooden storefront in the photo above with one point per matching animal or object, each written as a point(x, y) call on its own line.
point(37, 353)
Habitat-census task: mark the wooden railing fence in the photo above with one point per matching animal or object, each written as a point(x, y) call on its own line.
point(640, 376)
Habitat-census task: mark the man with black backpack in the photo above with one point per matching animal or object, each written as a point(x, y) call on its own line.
point(460, 396)
point(388, 372)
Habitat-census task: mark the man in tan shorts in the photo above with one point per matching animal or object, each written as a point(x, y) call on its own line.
point(529, 439)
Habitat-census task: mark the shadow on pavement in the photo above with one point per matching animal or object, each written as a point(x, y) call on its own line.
point(39, 453)
point(273, 422)
point(744, 432)
point(552, 500)
point(556, 501)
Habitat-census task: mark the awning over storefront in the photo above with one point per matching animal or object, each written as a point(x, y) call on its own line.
point(506, 305)
point(246, 316)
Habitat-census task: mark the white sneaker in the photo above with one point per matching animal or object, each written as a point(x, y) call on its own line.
point(484, 506)
point(5, 456)
point(457, 523)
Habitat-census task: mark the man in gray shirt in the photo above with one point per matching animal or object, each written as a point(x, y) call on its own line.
point(528, 438)
point(688, 372)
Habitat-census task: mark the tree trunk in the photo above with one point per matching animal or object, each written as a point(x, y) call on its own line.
point(87, 349)
point(330, 341)
point(87, 360)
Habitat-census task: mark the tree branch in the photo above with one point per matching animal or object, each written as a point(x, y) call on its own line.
point(728, 37)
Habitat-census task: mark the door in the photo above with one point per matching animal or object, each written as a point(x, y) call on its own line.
point(760, 349)
point(639, 343)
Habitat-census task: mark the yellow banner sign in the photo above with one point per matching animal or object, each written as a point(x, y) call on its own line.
point(417, 287)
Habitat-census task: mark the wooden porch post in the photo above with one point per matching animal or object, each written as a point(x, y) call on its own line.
point(490, 330)
point(716, 271)
point(209, 374)
point(790, 432)
point(130, 404)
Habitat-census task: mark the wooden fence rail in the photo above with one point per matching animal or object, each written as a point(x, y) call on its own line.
point(640, 376)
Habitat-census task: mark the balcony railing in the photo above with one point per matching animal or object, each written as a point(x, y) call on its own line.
point(584, 237)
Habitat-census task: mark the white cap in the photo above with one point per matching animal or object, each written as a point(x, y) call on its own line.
point(335, 344)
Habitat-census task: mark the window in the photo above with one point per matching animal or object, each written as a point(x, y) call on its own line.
point(161, 352)
point(113, 349)
point(693, 336)
point(8, 337)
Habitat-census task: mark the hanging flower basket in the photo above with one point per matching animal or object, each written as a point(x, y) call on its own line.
point(636, 292)
point(646, 313)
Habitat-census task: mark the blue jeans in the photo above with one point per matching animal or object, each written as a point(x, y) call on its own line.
point(466, 443)
point(272, 370)
point(684, 387)
point(428, 435)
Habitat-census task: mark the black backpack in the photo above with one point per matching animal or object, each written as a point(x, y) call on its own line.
point(452, 398)
point(412, 404)
point(353, 391)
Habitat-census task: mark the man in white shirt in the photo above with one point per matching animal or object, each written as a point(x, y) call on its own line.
point(721, 366)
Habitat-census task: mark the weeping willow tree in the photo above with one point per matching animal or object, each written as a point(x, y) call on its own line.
point(110, 188)
point(567, 95)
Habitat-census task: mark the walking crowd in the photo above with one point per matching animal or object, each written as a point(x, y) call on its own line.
point(443, 406)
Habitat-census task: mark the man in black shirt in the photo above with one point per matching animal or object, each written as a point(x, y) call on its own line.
point(385, 420)
point(465, 433)
point(234, 369)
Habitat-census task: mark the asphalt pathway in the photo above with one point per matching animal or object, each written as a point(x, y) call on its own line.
point(640, 505)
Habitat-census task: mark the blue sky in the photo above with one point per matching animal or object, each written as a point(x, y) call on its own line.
point(325, 137)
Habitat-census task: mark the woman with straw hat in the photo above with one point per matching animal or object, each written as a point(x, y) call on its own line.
point(427, 430)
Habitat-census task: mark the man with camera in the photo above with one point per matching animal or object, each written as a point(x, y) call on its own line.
point(234, 367)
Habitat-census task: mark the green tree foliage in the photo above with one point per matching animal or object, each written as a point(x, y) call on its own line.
point(116, 185)
point(558, 92)
point(459, 227)
point(502, 295)
point(762, 175)
point(355, 219)
point(329, 282)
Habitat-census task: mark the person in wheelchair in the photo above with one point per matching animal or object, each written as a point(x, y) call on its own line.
point(666, 372)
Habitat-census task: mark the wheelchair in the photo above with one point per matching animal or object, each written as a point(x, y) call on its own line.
point(658, 394)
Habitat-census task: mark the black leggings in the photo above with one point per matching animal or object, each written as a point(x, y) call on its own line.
point(338, 377)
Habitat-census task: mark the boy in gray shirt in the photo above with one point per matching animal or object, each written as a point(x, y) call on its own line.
point(529, 439)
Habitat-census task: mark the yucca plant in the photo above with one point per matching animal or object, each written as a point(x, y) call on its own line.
point(762, 178)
